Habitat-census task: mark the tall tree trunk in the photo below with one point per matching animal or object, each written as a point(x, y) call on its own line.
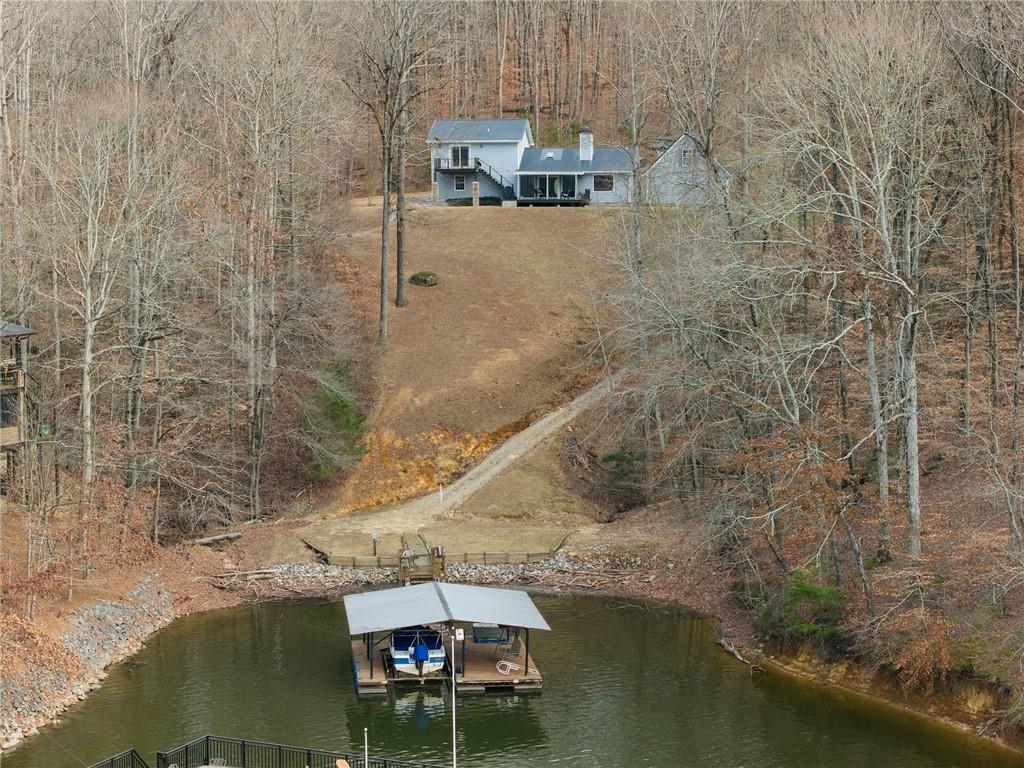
point(875, 394)
point(254, 363)
point(909, 366)
point(385, 238)
point(403, 136)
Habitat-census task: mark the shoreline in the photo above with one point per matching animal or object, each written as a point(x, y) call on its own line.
point(108, 632)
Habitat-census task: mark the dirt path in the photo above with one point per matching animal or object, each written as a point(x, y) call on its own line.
point(335, 534)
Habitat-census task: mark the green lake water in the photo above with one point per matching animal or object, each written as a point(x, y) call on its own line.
point(625, 685)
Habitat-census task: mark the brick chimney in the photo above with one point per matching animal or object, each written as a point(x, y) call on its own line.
point(586, 145)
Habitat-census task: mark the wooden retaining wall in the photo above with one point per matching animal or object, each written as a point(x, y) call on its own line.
point(472, 558)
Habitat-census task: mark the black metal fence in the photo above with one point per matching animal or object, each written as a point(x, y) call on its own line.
point(127, 759)
point(239, 753)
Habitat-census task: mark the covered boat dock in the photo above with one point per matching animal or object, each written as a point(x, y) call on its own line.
point(493, 652)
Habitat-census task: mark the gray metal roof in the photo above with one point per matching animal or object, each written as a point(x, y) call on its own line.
point(438, 603)
point(567, 160)
point(479, 130)
point(13, 329)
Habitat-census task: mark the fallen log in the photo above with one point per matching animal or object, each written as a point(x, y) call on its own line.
point(265, 573)
point(208, 540)
point(731, 649)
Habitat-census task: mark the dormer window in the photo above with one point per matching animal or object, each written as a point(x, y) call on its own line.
point(460, 156)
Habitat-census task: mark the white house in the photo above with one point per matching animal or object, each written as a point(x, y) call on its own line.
point(575, 175)
point(499, 155)
point(486, 151)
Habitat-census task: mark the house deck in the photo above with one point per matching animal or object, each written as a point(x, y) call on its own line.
point(573, 202)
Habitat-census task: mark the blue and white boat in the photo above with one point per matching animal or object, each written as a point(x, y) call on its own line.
point(417, 651)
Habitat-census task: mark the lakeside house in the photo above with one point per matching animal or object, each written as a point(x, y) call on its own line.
point(487, 152)
point(497, 159)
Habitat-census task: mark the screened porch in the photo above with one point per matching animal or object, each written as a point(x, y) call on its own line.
point(550, 189)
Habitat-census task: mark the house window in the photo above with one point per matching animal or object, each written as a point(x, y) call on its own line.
point(460, 156)
point(686, 156)
point(460, 183)
point(604, 182)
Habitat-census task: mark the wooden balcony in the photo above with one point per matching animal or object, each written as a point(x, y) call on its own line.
point(11, 376)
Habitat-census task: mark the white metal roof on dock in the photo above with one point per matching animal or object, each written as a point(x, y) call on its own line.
point(438, 603)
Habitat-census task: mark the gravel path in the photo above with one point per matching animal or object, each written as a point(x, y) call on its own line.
point(416, 513)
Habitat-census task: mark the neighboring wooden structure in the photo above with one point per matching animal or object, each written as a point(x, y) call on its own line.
point(13, 402)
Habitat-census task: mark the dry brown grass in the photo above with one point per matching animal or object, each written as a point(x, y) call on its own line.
point(480, 355)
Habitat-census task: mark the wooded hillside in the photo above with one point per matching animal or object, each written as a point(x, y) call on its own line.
point(824, 366)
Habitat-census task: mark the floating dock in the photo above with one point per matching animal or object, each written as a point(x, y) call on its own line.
point(479, 667)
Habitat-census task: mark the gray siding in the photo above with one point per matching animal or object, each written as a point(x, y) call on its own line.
point(622, 187)
point(446, 186)
point(679, 176)
point(503, 157)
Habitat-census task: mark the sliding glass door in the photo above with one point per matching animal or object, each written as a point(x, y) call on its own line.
point(550, 187)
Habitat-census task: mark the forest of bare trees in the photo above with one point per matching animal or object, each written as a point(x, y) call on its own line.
point(172, 173)
point(828, 362)
point(805, 358)
point(166, 172)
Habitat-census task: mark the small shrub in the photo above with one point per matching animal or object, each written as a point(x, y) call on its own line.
point(804, 610)
point(465, 202)
point(424, 278)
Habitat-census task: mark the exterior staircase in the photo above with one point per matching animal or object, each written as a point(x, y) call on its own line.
point(508, 189)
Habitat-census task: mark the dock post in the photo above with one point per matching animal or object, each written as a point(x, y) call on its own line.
point(526, 665)
point(455, 738)
point(369, 652)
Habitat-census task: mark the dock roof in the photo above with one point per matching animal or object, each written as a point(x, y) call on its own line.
point(439, 603)
point(480, 130)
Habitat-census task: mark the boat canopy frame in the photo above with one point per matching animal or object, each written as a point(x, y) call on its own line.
point(440, 603)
